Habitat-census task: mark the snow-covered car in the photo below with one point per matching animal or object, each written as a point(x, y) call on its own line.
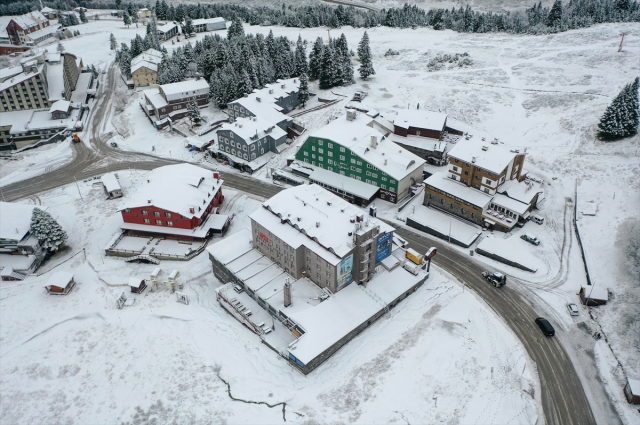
point(537, 219)
point(238, 288)
point(530, 238)
point(573, 309)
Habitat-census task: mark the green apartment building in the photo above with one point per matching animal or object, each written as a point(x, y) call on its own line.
point(355, 161)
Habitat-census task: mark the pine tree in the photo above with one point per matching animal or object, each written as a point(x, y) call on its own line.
point(194, 113)
point(622, 117)
point(344, 59)
point(188, 28)
point(303, 90)
point(315, 59)
point(555, 15)
point(73, 19)
point(114, 43)
point(235, 29)
point(83, 17)
point(62, 19)
point(126, 18)
point(49, 233)
point(300, 59)
point(60, 47)
point(134, 18)
point(364, 53)
point(328, 73)
point(124, 60)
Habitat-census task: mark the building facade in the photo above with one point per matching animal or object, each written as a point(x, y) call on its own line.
point(421, 132)
point(166, 31)
point(21, 27)
point(208, 24)
point(28, 90)
point(250, 138)
point(171, 100)
point(144, 68)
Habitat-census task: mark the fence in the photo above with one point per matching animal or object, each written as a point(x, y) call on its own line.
point(575, 225)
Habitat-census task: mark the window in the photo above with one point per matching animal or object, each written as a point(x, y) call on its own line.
point(320, 142)
point(145, 212)
point(318, 276)
point(353, 161)
point(330, 153)
point(330, 162)
point(159, 222)
point(147, 221)
point(253, 147)
point(244, 148)
point(384, 186)
point(156, 213)
point(127, 210)
point(320, 158)
point(359, 163)
point(341, 158)
point(313, 148)
point(384, 179)
point(313, 155)
point(341, 149)
point(486, 189)
point(169, 223)
point(368, 173)
point(320, 150)
point(330, 145)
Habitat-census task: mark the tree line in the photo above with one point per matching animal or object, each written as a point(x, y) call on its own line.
point(535, 20)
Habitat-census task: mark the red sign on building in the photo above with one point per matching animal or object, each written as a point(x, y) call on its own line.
point(264, 238)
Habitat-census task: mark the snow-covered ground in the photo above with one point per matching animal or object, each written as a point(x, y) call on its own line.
point(34, 162)
point(443, 356)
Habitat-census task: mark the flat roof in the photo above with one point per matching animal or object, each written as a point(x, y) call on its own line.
point(523, 191)
point(55, 81)
point(10, 72)
point(420, 118)
point(16, 220)
point(155, 98)
point(60, 105)
point(207, 21)
point(495, 159)
point(110, 182)
point(356, 135)
point(460, 190)
point(635, 386)
point(344, 183)
point(595, 292)
point(231, 247)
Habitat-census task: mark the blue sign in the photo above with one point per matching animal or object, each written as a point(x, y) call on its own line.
point(383, 247)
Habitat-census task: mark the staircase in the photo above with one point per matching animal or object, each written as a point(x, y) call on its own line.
point(147, 258)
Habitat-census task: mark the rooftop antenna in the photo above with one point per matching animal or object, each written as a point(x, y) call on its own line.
point(621, 40)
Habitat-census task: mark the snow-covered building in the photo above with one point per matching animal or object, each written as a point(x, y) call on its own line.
point(166, 31)
point(176, 200)
point(208, 24)
point(632, 391)
point(246, 140)
point(49, 13)
point(144, 13)
point(484, 184)
point(60, 283)
point(144, 67)
point(19, 248)
point(270, 103)
point(29, 28)
point(171, 100)
point(111, 185)
point(352, 150)
point(315, 268)
point(60, 110)
point(420, 132)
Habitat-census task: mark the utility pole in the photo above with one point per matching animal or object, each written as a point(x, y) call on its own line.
point(449, 230)
point(78, 186)
point(329, 34)
point(621, 40)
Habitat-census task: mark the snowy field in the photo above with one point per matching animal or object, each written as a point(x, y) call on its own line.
point(34, 162)
point(160, 361)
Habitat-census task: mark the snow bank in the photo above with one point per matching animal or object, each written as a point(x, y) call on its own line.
point(511, 251)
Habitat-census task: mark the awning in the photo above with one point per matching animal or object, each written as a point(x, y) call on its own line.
point(489, 221)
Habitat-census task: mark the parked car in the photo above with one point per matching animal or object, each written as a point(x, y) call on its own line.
point(530, 238)
point(545, 326)
point(573, 309)
point(238, 288)
point(113, 144)
point(537, 219)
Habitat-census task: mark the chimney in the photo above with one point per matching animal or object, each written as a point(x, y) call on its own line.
point(149, 201)
point(473, 159)
point(258, 99)
point(317, 224)
point(287, 293)
point(385, 161)
point(216, 175)
point(192, 210)
point(374, 142)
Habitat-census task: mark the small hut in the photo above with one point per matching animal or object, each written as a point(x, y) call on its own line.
point(590, 295)
point(632, 391)
point(137, 285)
point(60, 283)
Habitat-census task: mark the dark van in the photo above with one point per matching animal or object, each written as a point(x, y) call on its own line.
point(545, 326)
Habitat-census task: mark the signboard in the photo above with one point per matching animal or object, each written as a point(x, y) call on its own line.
point(345, 271)
point(431, 253)
point(383, 247)
point(264, 237)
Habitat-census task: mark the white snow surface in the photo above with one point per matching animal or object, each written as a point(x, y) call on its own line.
point(15, 220)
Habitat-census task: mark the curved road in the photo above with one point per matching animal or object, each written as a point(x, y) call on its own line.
point(563, 398)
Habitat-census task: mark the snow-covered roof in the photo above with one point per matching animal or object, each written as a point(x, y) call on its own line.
point(166, 27)
point(419, 142)
point(385, 125)
point(634, 385)
point(110, 182)
point(136, 282)
point(347, 184)
point(144, 64)
point(248, 128)
point(177, 188)
point(60, 105)
point(55, 81)
point(189, 88)
point(152, 56)
point(419, 118)
point(47, 9)
point(595, 292)
point(231, 247)
point(459, 190)
point(155, 98)
point(15, 220)
point(17, 79)
point(324, 217)
point(510, 204)
point(52, 56)
point(42, 32)
point(197, 141)
point(523, 191)
point(38, 119)
point(60, 279)
point(28, 20)
point(10, 72)
point(262, 103)
point(356, 135)
point(495, 158)
point(207, 21)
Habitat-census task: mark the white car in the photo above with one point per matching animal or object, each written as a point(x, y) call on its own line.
point(573, 309)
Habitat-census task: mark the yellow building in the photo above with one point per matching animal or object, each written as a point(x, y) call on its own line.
point(144, 68)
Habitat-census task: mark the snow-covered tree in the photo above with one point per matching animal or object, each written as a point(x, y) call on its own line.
point(364, 53)
point(188, 28)
point(50, 234)
point(126, 18)
point(235, 29)
point(124, 60)
point(315, 59)
point(113, 42)
point(134, 18)
point(83, 17)
point(194, 113)
point(555, 15)
point(343, 58)
point(329, 73)
point(301, 66)
point(60, 47)
point(621, 118)
point(303, 90)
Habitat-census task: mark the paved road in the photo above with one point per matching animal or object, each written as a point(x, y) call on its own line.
point(563, 398)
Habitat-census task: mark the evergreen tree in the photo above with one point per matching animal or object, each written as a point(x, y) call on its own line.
point(194, 113)
point(344, 59)
point(315, 59)
point(113, 42)
point(118, 4)
point(303, 90)
point(62, 20)
point(188, 28)
point(73, 19)
point(126, 18)
point(364, 53)
point(235, 29)
point(301, 66)
point(49, 233)
point(124, 60)
point(621, 117)
point(244, 84)
point(60, 47)
point(83, 17)
point(555, 15)
point(328, 73)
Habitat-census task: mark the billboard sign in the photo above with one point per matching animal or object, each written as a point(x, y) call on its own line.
point(383, 247)
point(345, 271)
point(431, 253)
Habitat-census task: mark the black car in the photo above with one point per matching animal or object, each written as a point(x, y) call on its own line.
point(545, 326)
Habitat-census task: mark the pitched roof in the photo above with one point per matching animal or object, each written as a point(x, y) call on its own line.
point(144, 64)
point(495, 158)
point(262, 101)
point(356, 135)
point(16, 220)
point(184, 89)
point(248, 128)
point(459, 190)
point(177, 188)
point(60, 279)
point(60, 105)
point(428, 120)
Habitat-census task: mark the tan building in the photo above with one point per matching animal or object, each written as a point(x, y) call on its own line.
point(71, 71)
point(484, 184)
point(28, 90)
point(144, 13)
point(144, 68)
